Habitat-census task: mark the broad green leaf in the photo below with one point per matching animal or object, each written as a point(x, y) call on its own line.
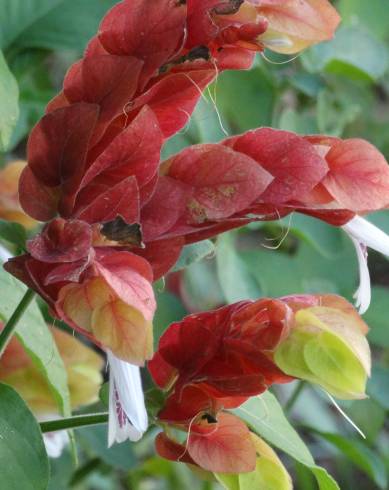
point(236, 281)
point(68, 24)
point(13, 233)
point(353, 53)
point(194, 253)
point(34, 334)
point(9, 94)
point(358, 453)
point(265, 417)
point(373, 14)
point(18, 15)
point(23, 460)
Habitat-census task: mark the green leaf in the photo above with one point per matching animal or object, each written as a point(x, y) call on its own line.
point(18, 15)
point(194, 253)
point(34, 334)
point(265, 417)
point(23, 460)
point(376, 317)
point(326, 239)
point(373, 14)
point(236, 281)
point(13, 233)
point(119, 456)
point(353, 53)
point(246, 99)
point(378, 386)
point(9, 95)
point(359, 454)
point(68, 24)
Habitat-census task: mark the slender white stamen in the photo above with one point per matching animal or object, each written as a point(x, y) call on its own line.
point(344, 414)
point(364, 234)
point(127, 411)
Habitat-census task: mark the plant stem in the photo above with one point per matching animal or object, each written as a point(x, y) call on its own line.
point(73, 422)
point(10, 327)
point(294, 396)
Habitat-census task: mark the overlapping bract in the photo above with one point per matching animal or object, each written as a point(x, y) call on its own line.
point(211, 362)
point(93, 160)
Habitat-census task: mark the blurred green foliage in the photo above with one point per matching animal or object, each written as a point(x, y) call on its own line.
point(339, 88)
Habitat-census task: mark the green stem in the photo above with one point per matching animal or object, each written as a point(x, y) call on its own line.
point(294, 396)
point(73, 422)
point(10, 327)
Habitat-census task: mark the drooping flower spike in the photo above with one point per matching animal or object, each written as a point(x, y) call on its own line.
point(119, 220)
point(212, 362)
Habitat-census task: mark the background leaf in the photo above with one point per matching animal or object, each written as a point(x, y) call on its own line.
point(34, 334)
point(9, 109)
point(265, 416)
point(23, 460)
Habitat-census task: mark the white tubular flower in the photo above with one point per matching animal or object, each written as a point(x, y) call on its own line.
point(127, 411)
point(365, 234)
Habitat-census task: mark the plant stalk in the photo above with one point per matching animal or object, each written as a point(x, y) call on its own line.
point(73, 422)
point(294, 396)
point(10, 327)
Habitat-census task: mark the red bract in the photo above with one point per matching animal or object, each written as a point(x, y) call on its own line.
point(217, 359)
point(220, 446)
point(93, 160)
point(102, 292)
point(265, 174)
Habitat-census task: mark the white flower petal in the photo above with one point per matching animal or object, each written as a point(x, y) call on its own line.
point(364, 234)
point(127, 411)
point(368, 234)
point(363, 293)
point(55, 442)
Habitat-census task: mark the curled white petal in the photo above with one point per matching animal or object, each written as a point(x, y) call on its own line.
point(127, 411)
point(364, 234)
point(368, 234)
point(4, 254)
point(363, 294)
